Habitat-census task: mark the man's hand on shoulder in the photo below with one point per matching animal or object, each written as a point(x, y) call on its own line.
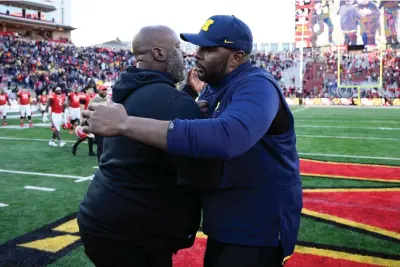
point(105, 119)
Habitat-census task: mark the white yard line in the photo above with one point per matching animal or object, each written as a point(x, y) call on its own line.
point(43, 174)
point(26, 126)
point(299, 110)
point(29, 187)
point(84, 179)
point(392, 121)
point(346, 127)
point(352, 107)
point(346, 156)
point(17, 116)
point(2, 205)
point(348, 137)
point(30, 139)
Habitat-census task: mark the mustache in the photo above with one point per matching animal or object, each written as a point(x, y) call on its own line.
point(198, 65)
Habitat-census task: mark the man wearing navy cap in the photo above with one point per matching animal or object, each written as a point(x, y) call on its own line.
point(253, 219)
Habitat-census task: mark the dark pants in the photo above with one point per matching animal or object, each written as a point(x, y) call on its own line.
point(227, 255)
point(110, 253)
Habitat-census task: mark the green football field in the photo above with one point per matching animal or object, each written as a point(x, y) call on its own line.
point(38, 227)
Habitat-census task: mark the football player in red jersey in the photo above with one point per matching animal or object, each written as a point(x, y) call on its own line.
point(85, 100)
point(24, 101)
point(43, 98)
point(57, 103)
point(82, 100)
point(89, 95)
point(73, 103)
point(4, 105)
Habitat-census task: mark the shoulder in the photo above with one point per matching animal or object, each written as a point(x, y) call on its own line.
point(161, 93)
point(161, 88)
point(255, 86)
point(255, 78)
point(182, 106)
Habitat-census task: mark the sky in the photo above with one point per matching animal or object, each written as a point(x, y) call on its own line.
point(99, 21)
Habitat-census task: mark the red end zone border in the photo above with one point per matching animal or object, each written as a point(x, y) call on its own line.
point(354, 171)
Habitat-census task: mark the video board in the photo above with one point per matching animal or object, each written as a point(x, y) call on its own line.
point(346, 22)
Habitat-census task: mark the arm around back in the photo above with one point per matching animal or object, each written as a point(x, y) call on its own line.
point(254, 105)
point(202, 173)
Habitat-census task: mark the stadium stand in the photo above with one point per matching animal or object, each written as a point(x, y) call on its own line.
point(43, 65)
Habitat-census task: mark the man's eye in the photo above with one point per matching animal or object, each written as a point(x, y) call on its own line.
point(207, 49)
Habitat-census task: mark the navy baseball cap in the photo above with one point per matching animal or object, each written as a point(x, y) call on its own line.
point(222, 30)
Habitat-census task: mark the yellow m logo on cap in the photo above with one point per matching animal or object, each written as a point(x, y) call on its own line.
point(207, 25)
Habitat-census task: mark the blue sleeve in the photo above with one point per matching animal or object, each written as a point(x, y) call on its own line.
point(254, 105)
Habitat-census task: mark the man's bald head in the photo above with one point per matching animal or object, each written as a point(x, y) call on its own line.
point(151, 37)
point(158, 48)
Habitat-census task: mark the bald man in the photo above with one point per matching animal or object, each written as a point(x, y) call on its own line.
point(143, 204)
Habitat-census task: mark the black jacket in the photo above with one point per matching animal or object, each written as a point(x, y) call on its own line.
point(141, 194)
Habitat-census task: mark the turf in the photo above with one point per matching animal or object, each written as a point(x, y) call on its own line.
point(75, 258)
point(322, 182)
point(31, 209)
point(323, 134)
point(311, 231)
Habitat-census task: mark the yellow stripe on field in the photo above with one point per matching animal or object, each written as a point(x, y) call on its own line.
point(201, 235)
point(349, 177)
point(338, 190)
point(336, 255)
point(52, 244)
point(351, 164)
point(68, 227)
point(347, 222)
point(346, 256)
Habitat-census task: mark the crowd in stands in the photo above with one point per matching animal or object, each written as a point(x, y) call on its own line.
point(42, 65)
point(321, 73)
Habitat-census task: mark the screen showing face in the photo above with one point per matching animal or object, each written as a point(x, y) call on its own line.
point(346, 22)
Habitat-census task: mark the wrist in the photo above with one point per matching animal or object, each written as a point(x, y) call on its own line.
point(123, 126)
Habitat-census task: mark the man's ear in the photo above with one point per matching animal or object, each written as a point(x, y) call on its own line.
point(159, 54)
point(237, 58)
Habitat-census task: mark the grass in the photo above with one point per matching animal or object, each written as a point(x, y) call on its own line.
point(375, 139)
point(32, 209)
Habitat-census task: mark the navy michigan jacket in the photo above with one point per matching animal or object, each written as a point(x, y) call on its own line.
point(259, 199)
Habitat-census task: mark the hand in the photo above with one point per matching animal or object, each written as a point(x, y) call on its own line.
point(104, 120)
point(193, 80)
point(203, 105)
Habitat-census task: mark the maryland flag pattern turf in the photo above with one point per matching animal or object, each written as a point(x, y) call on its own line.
point(353, 225)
